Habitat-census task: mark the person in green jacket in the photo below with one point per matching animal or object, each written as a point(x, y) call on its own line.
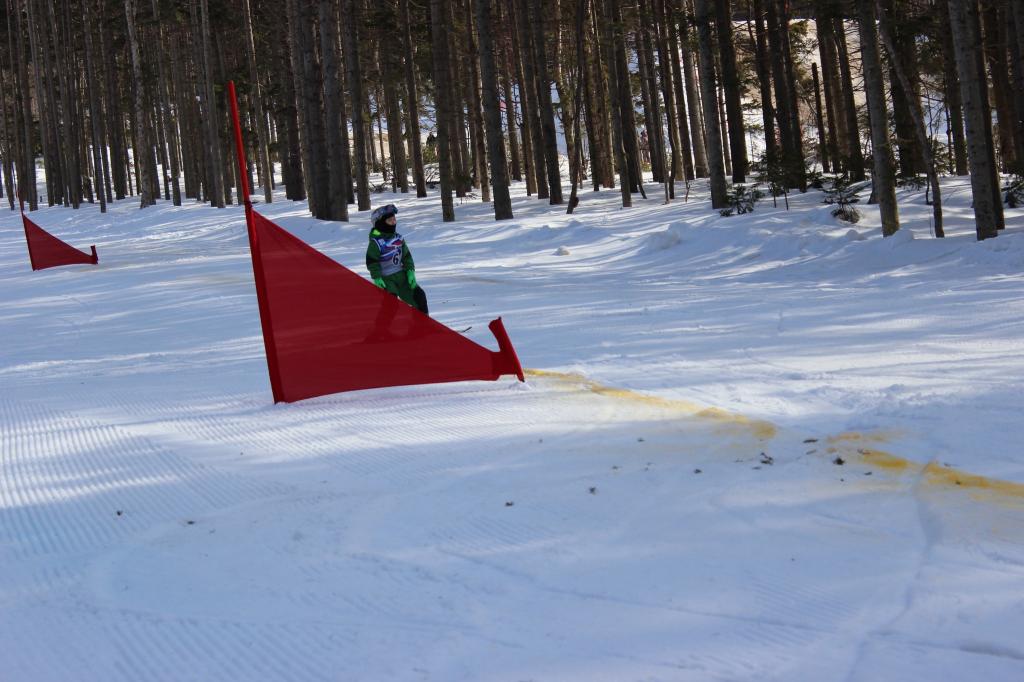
point(389, 260)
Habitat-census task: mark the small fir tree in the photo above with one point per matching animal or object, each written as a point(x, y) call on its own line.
point(843, 196)
point(741, 199)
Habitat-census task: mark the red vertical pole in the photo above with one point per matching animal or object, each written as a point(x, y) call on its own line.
point(257, 260)
point(24, 225)
point(242, 176)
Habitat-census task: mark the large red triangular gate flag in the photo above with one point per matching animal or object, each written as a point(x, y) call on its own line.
point(327, 330)
point(46, 251)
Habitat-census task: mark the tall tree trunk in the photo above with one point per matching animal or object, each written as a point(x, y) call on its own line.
point(567, 104)
point(510, 110)
point(722, 123)
point(731, 86)
point(95, 111)
point(1015, 38)
point(505, 70)
point(529, 163)
point(855, 159)
point(830, 84)
point(170, 119)
point(223, 129)
point(655, 18)
point(911, 161)
point(157, 114)
point(547, 112)
point(599, 123)
point(826, 166)
point(461, 157)
point(393, 111)
point(354, 80)
point(211, 116)
point(306, 75)
point(883, 180)
point(1017, 9)
point(102, 113)
point(954, 103)
point(412, 101)
point(764, 79)
point(791, 145)
point(529, 95)
point(995, 47)
point(649, 96)
point(27, 166)
point(69, 103)
point(287, 114)
point(689, 108)
point(581, 83)
point(799, 158)
point(371, 150)
point(8, 134)
point(522, 96)
point(988, 206)
point(631, 144)
point(143, 148)
point(712, 133)
point(53, 165)
point(591, 102)
point(492, 114)
point(442, 98)
point(158, 111)
point(618, 143)
point(475, 108)
point(338, 172)
point(262, 143)
point(113, 118)
point(186, 109)
point(923, 139)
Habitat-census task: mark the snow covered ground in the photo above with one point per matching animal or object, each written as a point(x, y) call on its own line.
point(765, 447)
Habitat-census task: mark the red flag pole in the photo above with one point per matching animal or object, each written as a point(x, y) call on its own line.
point(257, 262)
point(24, 225)
point(242, 175)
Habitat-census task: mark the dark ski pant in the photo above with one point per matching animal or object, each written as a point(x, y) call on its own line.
point(418, 296)
point(388, 309)
point(398, 286)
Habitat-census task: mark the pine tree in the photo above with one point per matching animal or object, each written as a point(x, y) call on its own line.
point(142, 144)
point(442, 97)
point(492, 114)
point(966, 31)
point(883, 179)
point(712, 132)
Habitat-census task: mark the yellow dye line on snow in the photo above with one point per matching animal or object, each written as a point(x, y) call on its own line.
point(760, 429)
point(931, 473)
point(940, 475)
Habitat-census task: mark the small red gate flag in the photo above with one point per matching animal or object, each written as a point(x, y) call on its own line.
point(46, 251)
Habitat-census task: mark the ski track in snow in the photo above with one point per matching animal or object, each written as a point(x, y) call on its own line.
point(160, 519)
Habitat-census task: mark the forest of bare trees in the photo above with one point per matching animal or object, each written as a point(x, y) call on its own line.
point(344, 98)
